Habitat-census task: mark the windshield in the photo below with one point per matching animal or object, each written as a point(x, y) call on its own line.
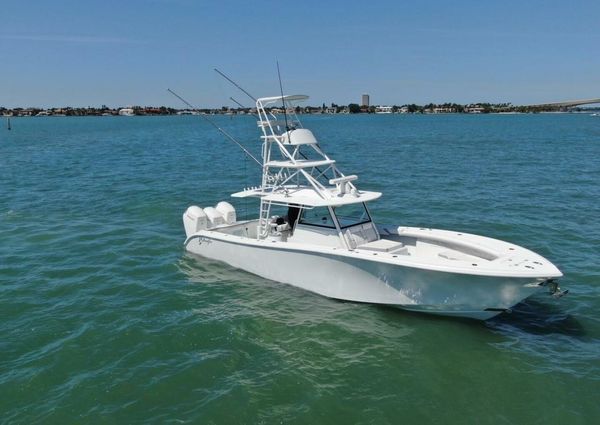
point(352, 214)
point(318, 216)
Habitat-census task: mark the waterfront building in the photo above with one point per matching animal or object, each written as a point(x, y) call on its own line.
point(384, 109)
point(128, 112)
point(443, 110)
point(365, 100)
point(474, 109)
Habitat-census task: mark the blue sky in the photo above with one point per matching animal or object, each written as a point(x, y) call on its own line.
point(127, 52)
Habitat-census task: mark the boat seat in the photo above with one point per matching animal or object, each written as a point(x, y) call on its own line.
point(456, 256)
point(283, 227)
point(382, 245)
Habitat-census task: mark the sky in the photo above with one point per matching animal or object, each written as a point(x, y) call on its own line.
point(128, 52)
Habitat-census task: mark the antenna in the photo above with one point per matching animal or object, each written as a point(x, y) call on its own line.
point(211, 122)
point(287, 128)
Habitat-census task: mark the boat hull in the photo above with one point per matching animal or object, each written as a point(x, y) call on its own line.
point(370, 281)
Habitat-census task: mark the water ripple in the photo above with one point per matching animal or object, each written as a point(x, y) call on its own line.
point(105, 318)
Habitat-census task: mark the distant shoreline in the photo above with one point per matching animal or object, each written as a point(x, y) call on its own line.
point(446, 108)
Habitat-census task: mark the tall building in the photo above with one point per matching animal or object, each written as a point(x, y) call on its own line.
point(365, 100)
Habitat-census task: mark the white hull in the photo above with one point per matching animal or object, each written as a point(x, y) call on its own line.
point(342, 277)
point(327, 243)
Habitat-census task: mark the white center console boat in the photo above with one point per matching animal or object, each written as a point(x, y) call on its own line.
point(314, 231)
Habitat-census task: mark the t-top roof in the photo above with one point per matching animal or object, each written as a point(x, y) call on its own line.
point(307, 196)
point(287, 98)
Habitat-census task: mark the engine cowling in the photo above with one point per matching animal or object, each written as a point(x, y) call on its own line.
point(194, 219)
point(227, 211)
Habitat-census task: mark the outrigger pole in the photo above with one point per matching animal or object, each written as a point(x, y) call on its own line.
point(235, 84)
point(243, 107)
point(223, 132)
point(254, 99)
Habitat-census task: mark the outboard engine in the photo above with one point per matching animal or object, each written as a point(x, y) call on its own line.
point(227, 211)
point(214, 217)
point(194, 220)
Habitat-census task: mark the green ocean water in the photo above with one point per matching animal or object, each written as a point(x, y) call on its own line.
point(105, 319)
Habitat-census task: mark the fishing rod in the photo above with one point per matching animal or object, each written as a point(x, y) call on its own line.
point(211, 122)
point(287, 127)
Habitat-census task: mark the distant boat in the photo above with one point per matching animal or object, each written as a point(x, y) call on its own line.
point(595, 115)
point(126, 112)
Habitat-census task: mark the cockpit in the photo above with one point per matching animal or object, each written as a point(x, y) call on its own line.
point(346, 225)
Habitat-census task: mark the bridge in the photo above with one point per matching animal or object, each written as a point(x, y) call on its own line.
point(568, 104)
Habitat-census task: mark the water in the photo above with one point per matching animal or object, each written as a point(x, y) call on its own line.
point(105, 319)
